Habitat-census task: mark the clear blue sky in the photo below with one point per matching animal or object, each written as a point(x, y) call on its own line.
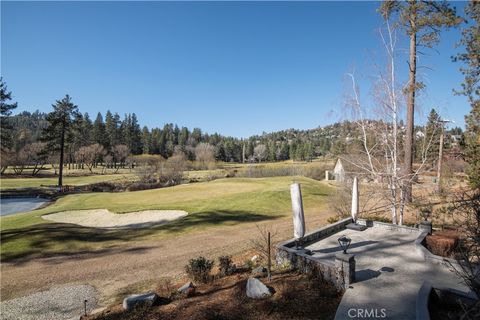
point(237, 68)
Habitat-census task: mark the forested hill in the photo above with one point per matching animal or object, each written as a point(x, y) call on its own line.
point(111, 130)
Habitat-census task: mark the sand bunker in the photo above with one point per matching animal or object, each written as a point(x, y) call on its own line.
point(102, 218)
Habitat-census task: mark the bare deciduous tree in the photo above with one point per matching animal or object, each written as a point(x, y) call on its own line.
point(205, 155)
point(36, 156)
point(147, 167)
point(120, 154)
point(90, 155)
point(260, 152)
point(171, 170)
point(381, 147)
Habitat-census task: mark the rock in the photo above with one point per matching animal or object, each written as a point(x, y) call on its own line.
point(257, 290)
point(187, 290)
point(133, 300)
point(260, 272)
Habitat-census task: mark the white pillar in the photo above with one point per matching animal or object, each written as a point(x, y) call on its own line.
point(297, 207)
point(355, 200)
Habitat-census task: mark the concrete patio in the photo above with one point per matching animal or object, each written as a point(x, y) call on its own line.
point(390, 270)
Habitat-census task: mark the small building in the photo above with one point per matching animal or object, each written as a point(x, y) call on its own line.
point(349, 166)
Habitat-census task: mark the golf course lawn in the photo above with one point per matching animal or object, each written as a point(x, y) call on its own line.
point(209, 204)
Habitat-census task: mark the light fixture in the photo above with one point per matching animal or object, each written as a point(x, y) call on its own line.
point(344, 242)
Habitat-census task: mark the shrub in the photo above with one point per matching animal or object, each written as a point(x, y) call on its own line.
point(333, 219)
point(137, 186)
point(171, 170)
point(249, 264)
point(225, 265)
point(199, 269)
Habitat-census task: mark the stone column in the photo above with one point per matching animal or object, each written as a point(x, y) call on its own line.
point(425, 226)
point(345, 269)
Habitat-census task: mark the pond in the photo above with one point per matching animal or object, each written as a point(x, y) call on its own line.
point(15, 205)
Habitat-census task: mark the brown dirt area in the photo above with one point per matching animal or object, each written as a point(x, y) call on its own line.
point(295, 297)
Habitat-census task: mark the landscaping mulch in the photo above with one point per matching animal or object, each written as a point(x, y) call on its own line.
point(296, 297)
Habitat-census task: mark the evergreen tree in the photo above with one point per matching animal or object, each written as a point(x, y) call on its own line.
point(422, 22)
point(112, 124)
point(5, 112)
point(471, 88)
point(197, 135)
point(136, 135)
point(60, 121)
point(146, 141)
point(433, 130)
point(99, 135)
point(183, 136)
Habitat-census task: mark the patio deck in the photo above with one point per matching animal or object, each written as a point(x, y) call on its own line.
point(389, 273)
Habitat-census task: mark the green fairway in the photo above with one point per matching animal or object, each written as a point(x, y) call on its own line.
point(209, 204)
point(13, 183)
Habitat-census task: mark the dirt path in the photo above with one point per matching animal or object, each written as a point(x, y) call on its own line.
point(110, 270)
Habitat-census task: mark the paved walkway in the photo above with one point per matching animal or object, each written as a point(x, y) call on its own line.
point(389, 274)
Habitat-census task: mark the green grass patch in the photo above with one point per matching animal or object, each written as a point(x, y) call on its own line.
point(211, 204)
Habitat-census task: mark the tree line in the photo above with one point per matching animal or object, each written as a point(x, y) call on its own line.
point(34, 139)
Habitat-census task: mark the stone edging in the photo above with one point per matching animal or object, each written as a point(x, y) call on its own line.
point(425, 293)
point(385, 225)
point(316, 234)
point(423, 298)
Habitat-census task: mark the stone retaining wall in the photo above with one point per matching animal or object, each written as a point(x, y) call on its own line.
point(302, 261)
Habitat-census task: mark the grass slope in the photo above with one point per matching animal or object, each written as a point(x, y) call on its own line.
point(216, 203)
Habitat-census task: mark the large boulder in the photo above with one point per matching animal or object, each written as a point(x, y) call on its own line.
point(257, 290)
point(187, 290)
point(146, 299)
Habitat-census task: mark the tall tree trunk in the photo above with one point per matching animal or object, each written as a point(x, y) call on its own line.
point(62, 144)
point(408, 160)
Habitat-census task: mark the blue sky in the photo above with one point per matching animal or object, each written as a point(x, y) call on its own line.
point(237, 68)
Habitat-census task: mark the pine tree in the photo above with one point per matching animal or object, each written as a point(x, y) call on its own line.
point(5, 112)
point(146, 141)
point(111, 130)
point(136, 134)
point(60, 122)
point(183, 136)
point(99, 135)
point(471, 88)
point(422, 22)
point(433, 129)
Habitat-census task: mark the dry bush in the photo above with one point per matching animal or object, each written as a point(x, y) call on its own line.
point(442, 245)
point(205, 156)
point(147, 167)
point(465, 209)
point(225, 265)
point(316, 171)
point(171, 170)
point(199, 269)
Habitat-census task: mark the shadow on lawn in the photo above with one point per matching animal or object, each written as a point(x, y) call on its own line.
point(45, 238)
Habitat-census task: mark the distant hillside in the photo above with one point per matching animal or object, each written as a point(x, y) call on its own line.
point(338, 138)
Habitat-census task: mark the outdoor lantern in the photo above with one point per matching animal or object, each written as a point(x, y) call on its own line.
point(344, 242)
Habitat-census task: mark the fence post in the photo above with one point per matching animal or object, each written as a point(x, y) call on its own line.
point(269, 259)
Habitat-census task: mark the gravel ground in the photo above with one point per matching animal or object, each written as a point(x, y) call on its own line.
point(102, 218)
point(60, 303)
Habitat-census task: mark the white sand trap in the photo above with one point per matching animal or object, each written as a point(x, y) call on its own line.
point(102, 218)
